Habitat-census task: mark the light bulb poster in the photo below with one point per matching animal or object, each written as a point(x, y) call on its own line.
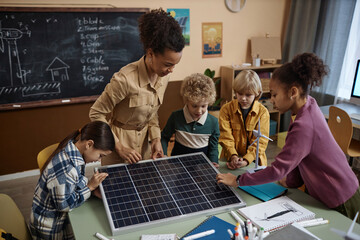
point(212, 40)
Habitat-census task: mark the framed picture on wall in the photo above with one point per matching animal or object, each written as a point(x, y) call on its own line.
point(212, 39)
point(182, 15)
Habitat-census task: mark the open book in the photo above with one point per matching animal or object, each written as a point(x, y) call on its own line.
point(275, 214)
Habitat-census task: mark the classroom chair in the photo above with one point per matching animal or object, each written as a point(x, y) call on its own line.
point(44, 154)
point(340, 125)
point(11, 220)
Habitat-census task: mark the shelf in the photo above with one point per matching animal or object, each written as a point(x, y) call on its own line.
point(262, 67)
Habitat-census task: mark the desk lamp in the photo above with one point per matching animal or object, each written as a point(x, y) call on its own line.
point(258, 135)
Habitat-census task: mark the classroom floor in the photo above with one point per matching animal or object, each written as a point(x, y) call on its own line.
point(22, 189)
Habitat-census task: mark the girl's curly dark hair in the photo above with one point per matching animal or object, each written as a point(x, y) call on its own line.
point(305, 70)
point(159, 30)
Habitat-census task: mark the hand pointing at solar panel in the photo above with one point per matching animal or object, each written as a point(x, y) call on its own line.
point(227, 179)
point(96, 179)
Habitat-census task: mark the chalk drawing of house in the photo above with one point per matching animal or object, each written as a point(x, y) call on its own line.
point(58, 70)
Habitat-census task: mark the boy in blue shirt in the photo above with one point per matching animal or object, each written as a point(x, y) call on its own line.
point(195, 129)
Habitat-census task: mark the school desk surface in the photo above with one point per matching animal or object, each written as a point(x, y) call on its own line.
point(91, 217)
point(349, 108)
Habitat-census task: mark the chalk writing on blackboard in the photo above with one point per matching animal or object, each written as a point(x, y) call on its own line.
point(63, 54)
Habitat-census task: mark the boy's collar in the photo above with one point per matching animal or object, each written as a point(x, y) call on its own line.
point(189, 119)
point(254, 109)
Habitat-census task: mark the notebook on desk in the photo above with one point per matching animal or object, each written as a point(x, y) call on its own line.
point(265, 192)
point(220, 226)
point(276, 214)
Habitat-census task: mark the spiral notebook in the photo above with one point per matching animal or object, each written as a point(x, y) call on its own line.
point(276, 213)
point(220, 226)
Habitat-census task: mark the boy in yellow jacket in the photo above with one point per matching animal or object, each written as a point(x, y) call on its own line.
point(239, 118)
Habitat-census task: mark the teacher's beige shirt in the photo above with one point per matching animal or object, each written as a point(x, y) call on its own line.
point(129, 104)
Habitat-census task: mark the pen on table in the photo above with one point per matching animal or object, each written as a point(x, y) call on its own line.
point(241, 232)
point(261, 233)
point(199, 235)
point(265, 234)
point(246, 230)
point(310, 221)
point(249, 227)
point(237, 218)
point(311, 224)
point(230, 233)
point(253, 233)
point(236, 236)
point(101, 237)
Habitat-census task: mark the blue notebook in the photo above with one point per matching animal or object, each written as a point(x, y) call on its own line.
point(220, 226)
point(265, 192)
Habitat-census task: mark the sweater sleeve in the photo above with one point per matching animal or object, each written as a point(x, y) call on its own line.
point(68, 189)
point(294, 179)
point(213, 151)
point(297, 146)
point(226, 138)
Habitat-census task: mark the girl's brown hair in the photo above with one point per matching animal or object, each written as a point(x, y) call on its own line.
point(97, 131)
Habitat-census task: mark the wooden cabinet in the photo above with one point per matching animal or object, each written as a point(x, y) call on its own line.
point(228, 74)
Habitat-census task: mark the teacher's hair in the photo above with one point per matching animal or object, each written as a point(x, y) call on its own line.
point(97, 131)
point(304, 71)
point(159, 30)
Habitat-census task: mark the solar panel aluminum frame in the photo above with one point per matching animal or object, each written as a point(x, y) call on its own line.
point(154, 223)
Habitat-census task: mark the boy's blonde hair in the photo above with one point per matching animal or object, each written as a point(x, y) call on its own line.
point(197, 88)
point(248, 81)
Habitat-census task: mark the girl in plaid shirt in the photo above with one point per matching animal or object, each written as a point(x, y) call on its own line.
point(62, 185)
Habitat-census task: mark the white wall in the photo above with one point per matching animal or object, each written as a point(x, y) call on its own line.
point(257, 18)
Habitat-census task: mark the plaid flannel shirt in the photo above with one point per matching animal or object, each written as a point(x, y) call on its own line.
point(61, 187)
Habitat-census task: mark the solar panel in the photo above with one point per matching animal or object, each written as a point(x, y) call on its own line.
point(153, 192)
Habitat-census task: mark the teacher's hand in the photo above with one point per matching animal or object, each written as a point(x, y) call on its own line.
point(156, 149)
point(128, 154)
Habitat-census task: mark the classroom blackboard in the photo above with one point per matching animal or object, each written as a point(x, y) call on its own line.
point(63, 55)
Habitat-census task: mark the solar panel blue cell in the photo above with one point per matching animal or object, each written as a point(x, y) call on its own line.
point(152, 192)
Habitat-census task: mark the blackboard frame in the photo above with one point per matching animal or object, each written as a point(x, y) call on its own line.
point(61, 101)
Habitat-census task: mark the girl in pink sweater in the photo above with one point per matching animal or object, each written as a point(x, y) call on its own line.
point(311, 154)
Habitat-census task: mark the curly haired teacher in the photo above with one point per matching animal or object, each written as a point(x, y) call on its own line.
point(133, 96)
